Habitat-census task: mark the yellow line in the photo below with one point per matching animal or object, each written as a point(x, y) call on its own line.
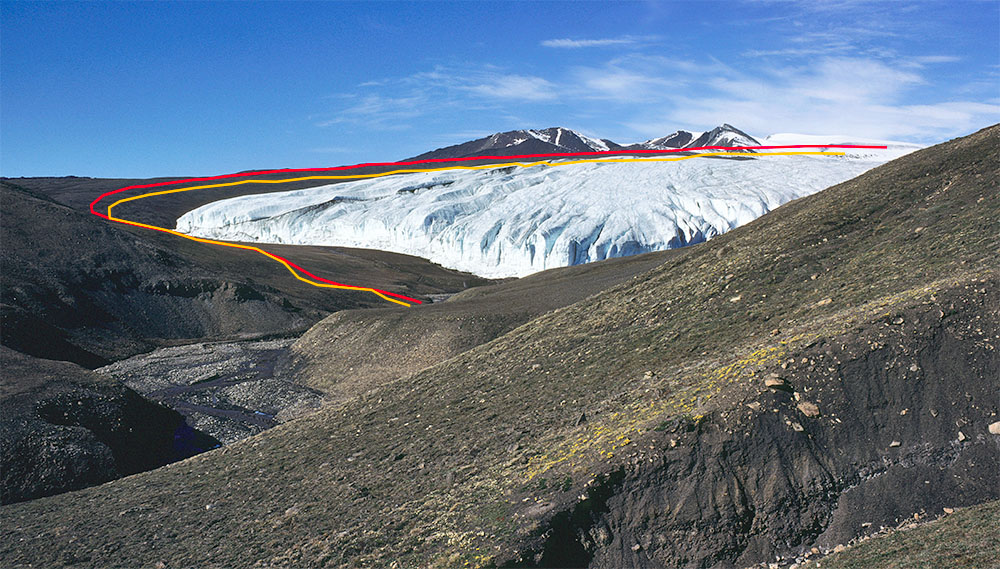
point(403, 171)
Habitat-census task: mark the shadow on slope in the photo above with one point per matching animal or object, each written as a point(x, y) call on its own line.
point(66, 428)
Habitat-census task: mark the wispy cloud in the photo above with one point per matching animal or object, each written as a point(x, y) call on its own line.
point(858, 96)
point(519, 87)
point(830, 67)
point(931, 59)
point(567, 43)
point(392, 104)
point(378, 112)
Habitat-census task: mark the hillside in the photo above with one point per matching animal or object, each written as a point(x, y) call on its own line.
point(965, 538)
point(74, 287)
point(635, 427)
point(79, 289)
point(346, 354)
point(66, 428)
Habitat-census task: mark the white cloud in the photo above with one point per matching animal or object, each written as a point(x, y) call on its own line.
point(861, 97)
point(644, 96)
point(378, 112)
point(573, 44)
point(926, 59)
point(521, 87)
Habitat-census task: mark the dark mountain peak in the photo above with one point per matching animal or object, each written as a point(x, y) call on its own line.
point(678, 139)
point(558, 139)
point(554, 139)
point(724, 135)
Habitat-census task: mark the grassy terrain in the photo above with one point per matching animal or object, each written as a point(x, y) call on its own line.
point(484, 458)
point(966, 539)
point(354, 350)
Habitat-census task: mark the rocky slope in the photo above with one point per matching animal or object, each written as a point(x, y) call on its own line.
point(79, 289)
point(346, 355)
point(225, 389)
point(822, 371)
point(966, 537)
point(66, 428)
point(74, 287)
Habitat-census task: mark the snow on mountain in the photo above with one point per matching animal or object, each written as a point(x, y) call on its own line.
point(724, 135)
point(512, 222)
point(678, 139)
point(546, 141)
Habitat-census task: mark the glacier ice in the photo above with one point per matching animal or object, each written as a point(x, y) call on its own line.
point(513, 221)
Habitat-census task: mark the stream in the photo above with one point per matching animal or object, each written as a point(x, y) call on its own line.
point(226, 389)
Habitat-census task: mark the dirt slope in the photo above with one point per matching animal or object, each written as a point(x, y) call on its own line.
point(77, 288)
point(352, 351)
point(635, 428)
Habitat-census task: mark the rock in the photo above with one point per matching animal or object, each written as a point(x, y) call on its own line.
point(914, 367)
point(777, 383)
point(840, 547)
point(894, 444)
point(808, 409)
point(949, 511)
point(961, 437)
point(824, 302)
point(797, 427)
point(636, 547)
point(580, 420)
point(994, 428)
point(736, 298)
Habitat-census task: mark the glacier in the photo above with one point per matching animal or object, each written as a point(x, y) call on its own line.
point(513, 221)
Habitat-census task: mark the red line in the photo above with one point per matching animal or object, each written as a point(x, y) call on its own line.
point(429, 161)
point(328, 281)
point(465, 159)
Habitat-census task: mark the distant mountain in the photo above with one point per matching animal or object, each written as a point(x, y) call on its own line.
point(725, 135)
point(679, 139)
point(515, 142)
point(558, 139)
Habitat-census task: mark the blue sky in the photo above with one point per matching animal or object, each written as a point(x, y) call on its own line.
point(173, 89)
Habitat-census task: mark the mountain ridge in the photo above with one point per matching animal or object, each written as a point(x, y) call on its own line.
point(564, 140)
